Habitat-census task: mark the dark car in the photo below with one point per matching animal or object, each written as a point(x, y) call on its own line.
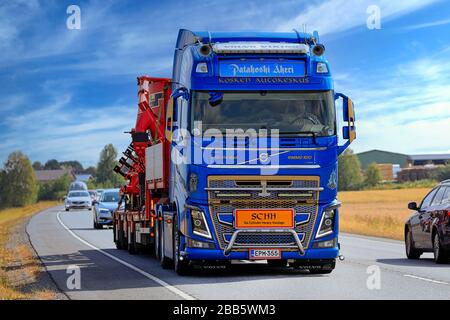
point(104, 207)
point(428, 229)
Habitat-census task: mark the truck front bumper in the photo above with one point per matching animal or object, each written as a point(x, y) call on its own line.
point(216, 254)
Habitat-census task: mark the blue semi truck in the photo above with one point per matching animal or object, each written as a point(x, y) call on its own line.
point(251, 166)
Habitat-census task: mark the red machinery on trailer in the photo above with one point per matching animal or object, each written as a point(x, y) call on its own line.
point(134, 220)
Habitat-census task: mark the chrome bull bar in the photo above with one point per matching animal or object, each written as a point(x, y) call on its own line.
point(229, 248)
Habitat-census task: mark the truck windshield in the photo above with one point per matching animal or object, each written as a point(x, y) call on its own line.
point(289, 112)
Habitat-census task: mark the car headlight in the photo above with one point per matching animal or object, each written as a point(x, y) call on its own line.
point(199, 224)
point(326, 223)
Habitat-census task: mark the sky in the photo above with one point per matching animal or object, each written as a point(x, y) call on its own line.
point(65, 93)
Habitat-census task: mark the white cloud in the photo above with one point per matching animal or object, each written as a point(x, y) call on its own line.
point(405, 110)
point(334, 16)
point(428, 24)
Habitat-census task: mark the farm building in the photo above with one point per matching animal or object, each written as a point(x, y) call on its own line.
point(382, 157)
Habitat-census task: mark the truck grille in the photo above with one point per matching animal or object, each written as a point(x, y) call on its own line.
point(246, 192)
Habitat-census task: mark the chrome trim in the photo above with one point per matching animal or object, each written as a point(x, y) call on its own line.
point(260, 189)
point(257, 166)
point(303, 222)
point(268, 149)
point(230, 246)
point(224, 222)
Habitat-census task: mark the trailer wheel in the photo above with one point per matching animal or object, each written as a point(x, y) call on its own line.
point(131, 243)
point(116, 236)
point(181, 264)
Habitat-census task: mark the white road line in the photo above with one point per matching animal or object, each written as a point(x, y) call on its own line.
point(169, 287)
point(426, 279)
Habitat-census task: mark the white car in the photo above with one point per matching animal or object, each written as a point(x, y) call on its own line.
point(78, 200)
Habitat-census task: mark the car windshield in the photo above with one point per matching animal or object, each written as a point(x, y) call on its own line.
point(289, 112)
point(78, 194)
point(110, 197)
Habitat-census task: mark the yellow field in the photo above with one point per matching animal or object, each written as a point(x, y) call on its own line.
point(20, 255)
point(380, 213)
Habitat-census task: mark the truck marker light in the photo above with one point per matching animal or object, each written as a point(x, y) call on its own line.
point(202, 67)
point(322, 67)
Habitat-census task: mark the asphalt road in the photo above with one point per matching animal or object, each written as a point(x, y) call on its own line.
point(373, 269)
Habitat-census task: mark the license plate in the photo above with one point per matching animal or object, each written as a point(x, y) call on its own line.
point(270, 218)
point(264, 254)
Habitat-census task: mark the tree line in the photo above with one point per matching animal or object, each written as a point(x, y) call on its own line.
point(19, 185)
point(352, 177)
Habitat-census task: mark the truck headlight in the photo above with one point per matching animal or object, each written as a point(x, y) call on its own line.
point(326, 223)
point(199, 224)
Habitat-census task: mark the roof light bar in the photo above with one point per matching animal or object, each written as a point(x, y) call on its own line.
point(260, 47)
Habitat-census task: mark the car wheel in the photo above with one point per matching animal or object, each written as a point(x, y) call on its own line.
point(411, 251)
point(279, 263)
point(181, 264)
point(67, 209)
point(440, 255)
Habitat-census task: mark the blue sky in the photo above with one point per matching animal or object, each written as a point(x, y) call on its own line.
point(64, 94)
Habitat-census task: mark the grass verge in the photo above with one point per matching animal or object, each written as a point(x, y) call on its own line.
point(18, 265)
point(380, 213)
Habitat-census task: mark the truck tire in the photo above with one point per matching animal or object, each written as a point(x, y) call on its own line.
point(181, 264)
point(440, 255)
point(116, 237)
point(131, 243)
point(411, 251)
point(279, 263)
point(164, 261)
point(157, 240)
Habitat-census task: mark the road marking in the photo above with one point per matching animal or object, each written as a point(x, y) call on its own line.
point(169, 287)
point(426, 279)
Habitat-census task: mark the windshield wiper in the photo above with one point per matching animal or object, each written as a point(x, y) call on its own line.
point(314, 134)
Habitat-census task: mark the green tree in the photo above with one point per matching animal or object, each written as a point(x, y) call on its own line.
point(52, 164)
point(19, 181)
point(105, 176)
point(349, 171)
point(56, 189)
point(90, 170)
point(373, 175)
point(37, 165)
point(443, 173)
point(76, 166)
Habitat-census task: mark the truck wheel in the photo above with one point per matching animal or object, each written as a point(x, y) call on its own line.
point(163, 260)
point(411, 251)
point(117, 237)
point(132, 243)
point(157, 241)
point(181, 264)
point(279, 263)
point(440, 255)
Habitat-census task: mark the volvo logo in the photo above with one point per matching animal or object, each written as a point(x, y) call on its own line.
point(264, 157)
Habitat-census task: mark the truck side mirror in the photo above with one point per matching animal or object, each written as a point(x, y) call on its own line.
point(349, 131)
point(180, 92)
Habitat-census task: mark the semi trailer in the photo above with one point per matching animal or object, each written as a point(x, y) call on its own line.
point(235, 156)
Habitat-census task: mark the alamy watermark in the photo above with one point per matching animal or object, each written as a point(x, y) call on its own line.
point(73, 21)
point(373, 21)
point(74, 280)
point(373, 281)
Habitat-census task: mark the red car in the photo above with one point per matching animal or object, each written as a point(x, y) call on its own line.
point(428, 229)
